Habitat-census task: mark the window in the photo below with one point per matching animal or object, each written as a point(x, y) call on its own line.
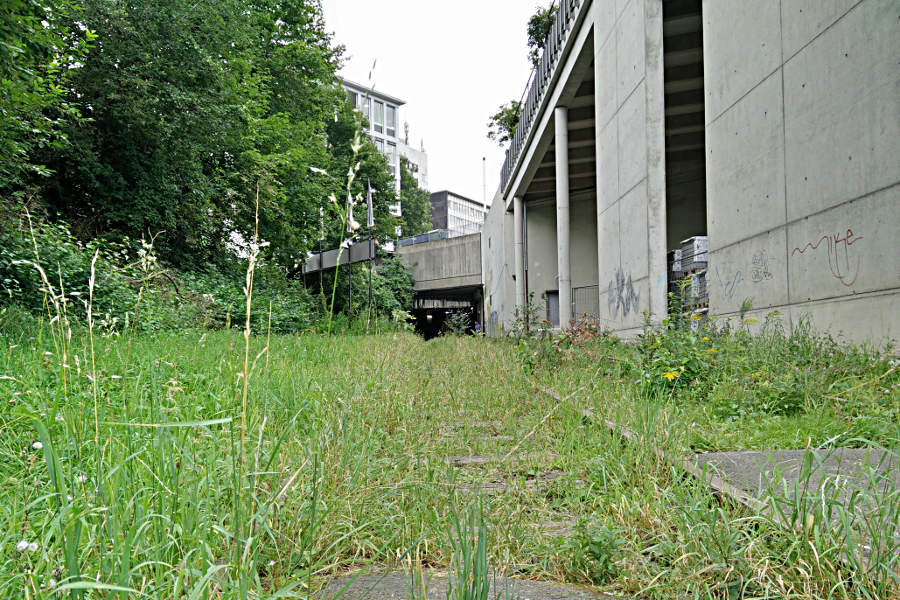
point(392, 158)
point(391, 121)
point(380, 145)
point(378, 117)
point(354, 99)
point(365, 108)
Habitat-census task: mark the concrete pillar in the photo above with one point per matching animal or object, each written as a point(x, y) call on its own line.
point(561, 115)
point(519, 252)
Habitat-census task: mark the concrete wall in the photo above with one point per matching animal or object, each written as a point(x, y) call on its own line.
point(444, 264)
point(540, 252)
point(540, 239)
point(497, 268)
point(630, 161)
point(803, 161)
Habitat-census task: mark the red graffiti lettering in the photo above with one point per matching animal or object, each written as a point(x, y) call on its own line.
point(839, 258)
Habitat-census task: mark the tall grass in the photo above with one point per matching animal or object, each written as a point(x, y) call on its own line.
point(146, 473)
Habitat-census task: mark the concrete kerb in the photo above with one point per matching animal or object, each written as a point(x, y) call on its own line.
point(770, 467)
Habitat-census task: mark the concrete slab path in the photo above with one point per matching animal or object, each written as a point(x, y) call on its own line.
point(842, 470)
point(397, 586)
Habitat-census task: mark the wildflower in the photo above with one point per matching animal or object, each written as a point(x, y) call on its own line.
point(712, 350)
point(671, 375)
point(271, 563)
point(25, 545)
point(705, 338)
point(751, 320)
point(82, 478)
point(695, 316)
point(37, 445)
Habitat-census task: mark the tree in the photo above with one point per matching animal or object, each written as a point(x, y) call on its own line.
point(538, 29)
point(196, 110)
point(347, 129)
point(502, 124)
point(40, 47)
point(415, 201)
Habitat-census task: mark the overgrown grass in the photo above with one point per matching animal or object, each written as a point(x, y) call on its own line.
point(349, 463)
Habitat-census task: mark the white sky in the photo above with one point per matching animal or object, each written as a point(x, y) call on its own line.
point(454, 62)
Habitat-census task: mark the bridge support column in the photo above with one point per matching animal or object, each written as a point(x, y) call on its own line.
point(561, 115)
point(519, 252)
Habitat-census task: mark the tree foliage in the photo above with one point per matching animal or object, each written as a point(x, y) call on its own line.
point(416, 202)
point(179, 120)
point(538, 29)
point(41, 45)
point(502, 124)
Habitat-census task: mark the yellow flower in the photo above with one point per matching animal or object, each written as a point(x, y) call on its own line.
point(705, 338)
point(671, 375)
point(695, 316)
point(751, 320)
point(712, 350)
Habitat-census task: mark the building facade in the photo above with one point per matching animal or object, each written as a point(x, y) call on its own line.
point(764, 135)
point(456, 214)
point(382, 112)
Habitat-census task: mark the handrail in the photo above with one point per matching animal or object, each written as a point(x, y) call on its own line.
point(553, 46)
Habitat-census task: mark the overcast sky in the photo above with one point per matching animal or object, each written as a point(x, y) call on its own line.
point(453, 62)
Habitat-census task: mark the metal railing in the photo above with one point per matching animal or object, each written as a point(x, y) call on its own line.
point(543, 75)
point(585, 301)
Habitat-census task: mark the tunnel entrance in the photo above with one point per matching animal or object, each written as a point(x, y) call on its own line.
point(438, 312)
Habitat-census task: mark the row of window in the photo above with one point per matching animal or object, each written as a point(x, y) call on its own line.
point(467, 211)
point(382, 117)
point(462, 226)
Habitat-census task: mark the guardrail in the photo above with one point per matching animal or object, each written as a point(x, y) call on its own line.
point(585, 301)
point(543, 75)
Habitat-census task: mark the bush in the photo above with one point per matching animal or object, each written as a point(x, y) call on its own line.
point(67, 265)
point(132, 289)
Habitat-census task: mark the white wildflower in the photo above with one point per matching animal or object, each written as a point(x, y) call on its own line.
point(82, 478)
point(37, 445)
point(26, 546)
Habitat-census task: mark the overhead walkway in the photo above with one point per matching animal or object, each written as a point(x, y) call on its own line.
point(447, 276)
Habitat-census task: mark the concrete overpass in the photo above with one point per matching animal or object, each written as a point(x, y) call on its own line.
point(447, 275)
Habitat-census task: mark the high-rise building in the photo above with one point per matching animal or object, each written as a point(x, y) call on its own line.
point(382, 112)
point(457, 214)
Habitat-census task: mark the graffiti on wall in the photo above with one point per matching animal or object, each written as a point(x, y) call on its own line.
point(621, 295)
point(730, 283)
point(760, 271)
point(841, 261)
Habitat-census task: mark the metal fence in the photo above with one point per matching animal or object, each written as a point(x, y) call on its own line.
point(430, 236)
point(543, 75)
point(585, 301)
